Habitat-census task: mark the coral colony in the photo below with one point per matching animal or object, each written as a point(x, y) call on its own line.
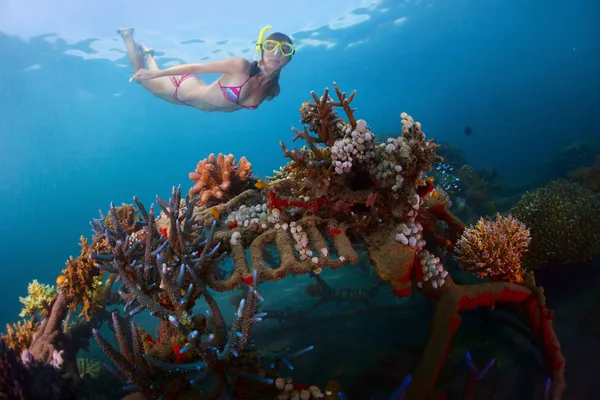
point(341, 186)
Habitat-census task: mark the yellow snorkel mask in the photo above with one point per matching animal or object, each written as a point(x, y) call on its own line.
point(270, 46)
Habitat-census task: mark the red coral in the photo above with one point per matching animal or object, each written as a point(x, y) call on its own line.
point(313, 205)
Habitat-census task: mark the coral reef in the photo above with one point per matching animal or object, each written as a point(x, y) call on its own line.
point(25, 378)
point(19, 335)
point(218, 178)
point(564, 220)
point(572, 157)
point(89, 366)
point(38, 299)
point(437, 197)
point(341, 189)
point(81, 282)
point(588, 176)
point(453, 155)
point(494, 249)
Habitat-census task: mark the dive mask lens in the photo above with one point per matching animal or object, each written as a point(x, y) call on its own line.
point(287, 49)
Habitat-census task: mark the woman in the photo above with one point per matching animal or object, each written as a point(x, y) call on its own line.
point(244, 84)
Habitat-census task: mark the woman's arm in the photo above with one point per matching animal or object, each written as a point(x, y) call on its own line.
point(231, 65)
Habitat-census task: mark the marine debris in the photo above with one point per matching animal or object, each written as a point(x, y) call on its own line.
point(341, 187)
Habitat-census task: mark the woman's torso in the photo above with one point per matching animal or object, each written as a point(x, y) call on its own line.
point(210, 97)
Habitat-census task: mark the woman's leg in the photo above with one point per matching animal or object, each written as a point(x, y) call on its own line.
point(160, 87)
point(148, 57)
point(136, 58)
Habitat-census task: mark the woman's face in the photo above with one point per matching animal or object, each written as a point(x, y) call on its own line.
point(276, 54)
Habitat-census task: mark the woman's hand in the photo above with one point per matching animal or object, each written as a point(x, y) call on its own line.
point(142, 75)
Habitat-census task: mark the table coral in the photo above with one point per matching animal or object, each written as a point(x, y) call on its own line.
point(218, 178)
point(494, 249)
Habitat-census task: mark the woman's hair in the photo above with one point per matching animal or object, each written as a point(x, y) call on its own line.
point(271, 85)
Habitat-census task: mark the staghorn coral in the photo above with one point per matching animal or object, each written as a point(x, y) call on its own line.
point(218, 178)
point(494, 249)
point(20, 335)
point(81, 282)
point(185, 257)
point(39, 297)
point(564, 219)
point(321, 117)
point(128, 219)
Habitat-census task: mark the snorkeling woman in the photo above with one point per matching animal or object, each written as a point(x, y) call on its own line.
point(244, 83)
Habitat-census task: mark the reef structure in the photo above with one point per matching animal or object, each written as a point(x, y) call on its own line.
point(341, 187)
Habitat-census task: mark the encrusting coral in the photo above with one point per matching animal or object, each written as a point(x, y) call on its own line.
point(494, 249)
point(218, 178)
point(564, 220)
point(341, 188)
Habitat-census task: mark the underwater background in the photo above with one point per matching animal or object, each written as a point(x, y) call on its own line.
point(511, 86)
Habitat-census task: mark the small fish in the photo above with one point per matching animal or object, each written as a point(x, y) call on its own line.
point(215, 212)
point(60, 280)
point(260, 185)
point(429, 179)
point(468, 130)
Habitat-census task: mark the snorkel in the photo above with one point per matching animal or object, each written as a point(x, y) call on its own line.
point(259, 42)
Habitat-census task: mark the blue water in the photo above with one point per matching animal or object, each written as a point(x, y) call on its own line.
point(523, 75)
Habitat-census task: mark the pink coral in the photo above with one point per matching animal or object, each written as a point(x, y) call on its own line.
point(218, 178)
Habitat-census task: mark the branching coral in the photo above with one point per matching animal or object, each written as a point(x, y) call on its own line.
point(564, 219)
point(19, 336)
point(81, 282)
point(321, 117)
point(218, 178)
point(352, 172)
point(494, 249)
point(39, 297)
point(166, 276)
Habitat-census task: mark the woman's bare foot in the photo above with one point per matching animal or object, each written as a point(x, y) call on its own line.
point(145, 50)
point(125, 32)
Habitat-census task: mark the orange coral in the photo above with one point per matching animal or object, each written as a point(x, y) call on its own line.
point(81, 281)
point(494, 248)
point(437, 196)
point(218, 178)
point(19, 336)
